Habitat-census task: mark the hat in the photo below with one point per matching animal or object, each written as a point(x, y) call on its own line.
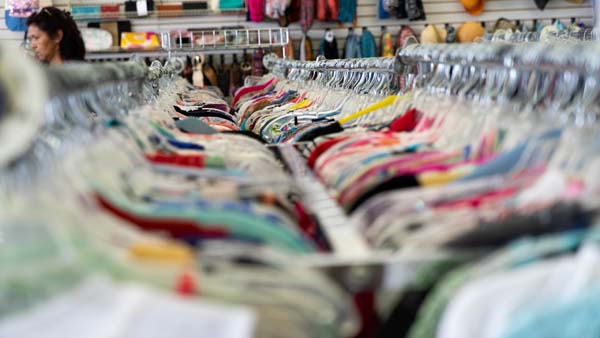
point(433, 34)
point(469, 31)
point(473, 7)
point(504, 24)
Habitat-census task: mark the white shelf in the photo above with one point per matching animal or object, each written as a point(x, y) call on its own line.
point(223, 41)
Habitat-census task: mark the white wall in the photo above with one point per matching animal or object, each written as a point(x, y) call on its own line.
point(438, 12)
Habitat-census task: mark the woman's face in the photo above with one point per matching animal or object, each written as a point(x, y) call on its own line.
point(43, 45)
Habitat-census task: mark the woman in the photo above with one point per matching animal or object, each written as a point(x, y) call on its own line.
point(54, 37)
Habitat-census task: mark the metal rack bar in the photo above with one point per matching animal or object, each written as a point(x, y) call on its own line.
point(379, 64)
point(118, 53)
point(344, 238)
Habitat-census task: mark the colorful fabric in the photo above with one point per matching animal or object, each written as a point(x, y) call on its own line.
point(327, 10)
point(21, 8)
point(307, 14)
point(256, 10)
point(387, 44)
point(306, 49)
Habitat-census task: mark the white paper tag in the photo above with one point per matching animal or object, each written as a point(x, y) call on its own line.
point(329, 36)
point(142, 7)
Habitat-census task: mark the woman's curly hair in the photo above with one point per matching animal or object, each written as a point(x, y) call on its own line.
point(51, 20)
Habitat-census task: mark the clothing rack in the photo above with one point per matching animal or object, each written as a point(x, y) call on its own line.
point(74, 78)
point(351, 255)
point(525, 55)
point(509, 53)
point(352, 263)
point(587, 34)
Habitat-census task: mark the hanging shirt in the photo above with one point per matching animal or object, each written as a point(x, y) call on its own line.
point(352, 48)
point(367, 44)
point(347, 10)
point(327, 10)
point(329, 47)
point(415, 10)
point(387, 44)
point(256, 10)
point(383, 12)
point(306, 49)
point(307, 15)
point(405, 35)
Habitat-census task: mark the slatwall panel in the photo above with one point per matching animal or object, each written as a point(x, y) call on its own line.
point(438, 12)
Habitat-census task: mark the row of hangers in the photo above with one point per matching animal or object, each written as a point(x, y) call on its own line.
point(76, 99)
point(380, 75)
point(373, 75)
point(519, 73)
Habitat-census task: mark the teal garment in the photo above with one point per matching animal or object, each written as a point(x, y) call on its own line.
point(579, 318)
point(161, 204)
point(85, 10)
point(231, 4)
point(237, 222)
point(560, 26)
point(367, 44)
point(538, 27)
point(346, 10)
